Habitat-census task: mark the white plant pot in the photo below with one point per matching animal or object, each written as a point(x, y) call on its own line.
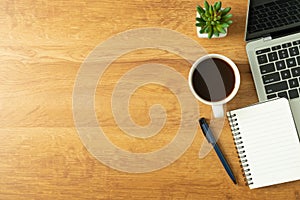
point(205, 35)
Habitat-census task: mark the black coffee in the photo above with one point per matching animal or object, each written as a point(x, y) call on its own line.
point(213, 79)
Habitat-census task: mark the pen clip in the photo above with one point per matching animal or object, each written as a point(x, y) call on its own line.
point(206, 131)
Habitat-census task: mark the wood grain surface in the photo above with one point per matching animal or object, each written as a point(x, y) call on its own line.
point(42, 46)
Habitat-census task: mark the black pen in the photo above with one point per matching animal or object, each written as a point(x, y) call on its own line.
point(210, 138)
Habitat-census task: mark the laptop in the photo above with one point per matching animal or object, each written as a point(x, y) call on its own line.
point(273, 50)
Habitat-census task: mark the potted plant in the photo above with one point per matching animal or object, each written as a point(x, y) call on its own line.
point(213, 20)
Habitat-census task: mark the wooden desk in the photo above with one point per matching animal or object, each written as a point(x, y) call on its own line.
point(42, 45)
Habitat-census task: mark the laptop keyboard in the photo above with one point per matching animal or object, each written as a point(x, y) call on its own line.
point(280, 69)
point(273, 15)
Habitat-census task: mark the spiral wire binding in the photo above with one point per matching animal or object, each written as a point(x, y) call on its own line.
point(238, 141)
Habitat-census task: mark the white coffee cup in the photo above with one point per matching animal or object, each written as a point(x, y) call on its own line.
point(218, 86)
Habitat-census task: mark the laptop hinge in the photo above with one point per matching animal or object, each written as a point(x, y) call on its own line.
point(268, 38)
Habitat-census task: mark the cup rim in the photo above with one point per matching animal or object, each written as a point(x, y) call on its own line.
point(236, 74)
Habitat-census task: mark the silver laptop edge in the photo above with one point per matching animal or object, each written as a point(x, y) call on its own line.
point(251, 47)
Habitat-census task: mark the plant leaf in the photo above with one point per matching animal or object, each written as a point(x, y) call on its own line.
point(200, 24)
point(215, 5)
point(200, 10)
point(229, 22)
point(206, 5)
point(226, 10)
point(216, 32)
point(206, 29)
point(210, 33)
point(200, 19)
point(214, 12)
point(209, 28)
point(218, 5)
point(220, 29)
point(225, 25)
point(201, 31)
point(210, 10)
point(203, 17)
point(226, 17)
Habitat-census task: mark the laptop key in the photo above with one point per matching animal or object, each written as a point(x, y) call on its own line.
point(273, 17)
point(275, 87)
point(274, 7)
point(285, 74)
point(293, 12)
point(280, 65)
point(262, 15)
point(291, 7)
point(260, 25)
point(293, 93)
point(294, 51)
point(291, 62)
point(293, 83)
point(269, 24)
point(295, 71)
point(281, 10)
point(263, 51)
point(253, 22)
point(283, 94)
point(290, 18)
point(267, 68)
point(251, 29)
point(286, 45)
point(262, 59)
point(264, 10)
point(270, 78)
point(272, 56)
point(273, 12)
point(283, 53)
point(298, 59)
point(271, 96)
point(293, 2)
point(276, 47)
point(297, 42)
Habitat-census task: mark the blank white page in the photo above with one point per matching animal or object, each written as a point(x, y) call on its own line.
point(270, 142)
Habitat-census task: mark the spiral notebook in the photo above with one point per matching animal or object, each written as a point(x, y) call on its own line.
point(267, 142)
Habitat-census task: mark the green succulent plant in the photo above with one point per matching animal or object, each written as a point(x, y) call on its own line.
point(213, 19)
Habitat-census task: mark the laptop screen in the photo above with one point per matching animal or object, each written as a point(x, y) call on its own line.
point(272, 18)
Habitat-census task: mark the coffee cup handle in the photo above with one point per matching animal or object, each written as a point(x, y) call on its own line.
point(218, 111)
